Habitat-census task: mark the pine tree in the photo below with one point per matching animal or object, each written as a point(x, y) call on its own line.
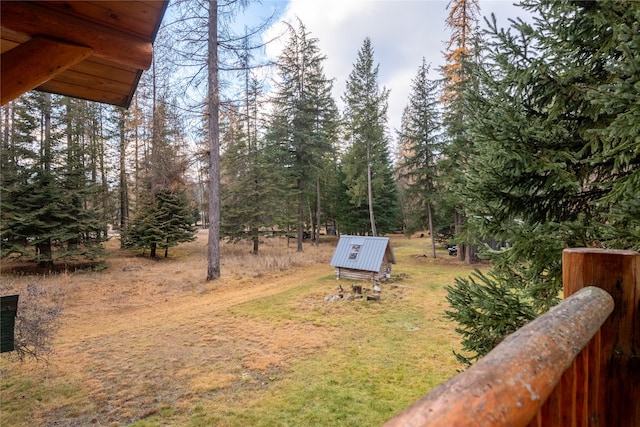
point(44, 184)
point(123, 189)
point(99, 199)
point(462, 20)
point(420, 137)
point(164, 221)
point(235, 179)
point(164, 215)
point(367, 165)
point(304, 117)
point(617, 142)
point(554, 164)
point(83, 227)
point(460, 51)
point(249, 187)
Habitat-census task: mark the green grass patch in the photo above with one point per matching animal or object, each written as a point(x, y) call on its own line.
point(384, 354)
point(21, 396)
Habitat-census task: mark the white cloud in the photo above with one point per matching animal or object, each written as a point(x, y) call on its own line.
point(402, 32)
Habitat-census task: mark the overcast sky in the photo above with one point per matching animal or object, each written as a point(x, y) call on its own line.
point(402, 32)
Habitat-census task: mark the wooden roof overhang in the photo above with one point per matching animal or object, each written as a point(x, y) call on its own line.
point(94, 50)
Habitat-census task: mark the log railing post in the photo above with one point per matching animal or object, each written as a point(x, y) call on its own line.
point(577, 365)
point(614, 394)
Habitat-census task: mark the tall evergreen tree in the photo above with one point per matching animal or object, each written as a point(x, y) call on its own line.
point(44, 185)
point(164, 220)
point(420, 137)
point(97, 164)
point(555, 163)
point(249, 187)
point(83, 226)
point(123, 180)
point(367, 165)
point(164, 216)
point(462, 21)
point(460, 51)
point(616, 144)
point(304, 117)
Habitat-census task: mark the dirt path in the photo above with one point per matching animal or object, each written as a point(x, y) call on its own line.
point(214, 297)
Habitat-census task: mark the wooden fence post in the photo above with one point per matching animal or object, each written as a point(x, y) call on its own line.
point(617, 389)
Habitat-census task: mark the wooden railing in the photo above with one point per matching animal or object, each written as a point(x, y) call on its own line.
point(577, 365)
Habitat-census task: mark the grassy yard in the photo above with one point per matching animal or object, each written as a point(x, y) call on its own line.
point(150, 343)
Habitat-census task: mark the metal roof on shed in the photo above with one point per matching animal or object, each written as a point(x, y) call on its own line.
point(369, 256)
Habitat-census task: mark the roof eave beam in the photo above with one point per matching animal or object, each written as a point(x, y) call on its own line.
point(39, 60)
point(115, 46)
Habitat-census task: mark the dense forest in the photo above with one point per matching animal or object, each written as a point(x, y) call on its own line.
point(527, 143)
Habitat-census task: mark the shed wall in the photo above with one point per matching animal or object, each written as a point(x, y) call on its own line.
point(348, 273)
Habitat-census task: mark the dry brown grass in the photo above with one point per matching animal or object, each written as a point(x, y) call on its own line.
point(151, 338)
point(147, 334)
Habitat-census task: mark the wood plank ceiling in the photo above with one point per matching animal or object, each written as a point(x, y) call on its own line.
point(95, 50)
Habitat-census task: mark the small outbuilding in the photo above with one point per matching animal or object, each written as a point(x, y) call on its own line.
point(363, 258)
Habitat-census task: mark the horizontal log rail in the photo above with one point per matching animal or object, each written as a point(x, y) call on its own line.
point(508, 386)
point(576, 365)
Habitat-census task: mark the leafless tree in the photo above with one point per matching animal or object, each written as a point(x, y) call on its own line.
point(196, 30)
point(37, 322)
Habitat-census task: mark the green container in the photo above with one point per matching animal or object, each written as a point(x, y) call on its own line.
point(8, 311)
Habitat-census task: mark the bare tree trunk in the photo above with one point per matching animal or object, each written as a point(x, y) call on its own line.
point(300, 216)
point(124, 197)
point(318, 212)
point(155, 134)
point(72, 148)
point(213, 257)
point(103, 174)
point(136, 154)
point(93, 158)
point(311, 221)
point(9, 132)
point(433, 238)
point(255, 236)
point(46, 140)
point(202, 202)
point(458, 230)
point(44, 248)
point(374, 232)
point(5, 126)
point(469, 253)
